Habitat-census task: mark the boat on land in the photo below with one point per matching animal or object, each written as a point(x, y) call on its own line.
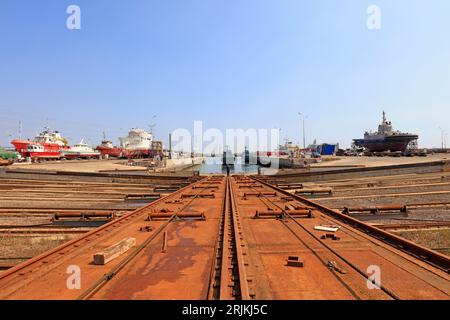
point(138, 144)
point(81, 151)
point(108, 149)
point(46, 142)
point(386, 139)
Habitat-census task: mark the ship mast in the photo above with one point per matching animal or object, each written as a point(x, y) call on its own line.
point(152, 125)
point(384, 117)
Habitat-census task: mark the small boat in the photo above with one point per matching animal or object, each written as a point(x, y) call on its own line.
point(81, 151)
point(108, 149)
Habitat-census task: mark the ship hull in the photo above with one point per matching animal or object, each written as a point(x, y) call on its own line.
point(136, 153)
point(397, 143)
point(43, 155)
point(21, 146)
point(111, 152)
point(77, 155)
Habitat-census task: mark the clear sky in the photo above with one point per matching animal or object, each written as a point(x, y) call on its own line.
point(230, 63)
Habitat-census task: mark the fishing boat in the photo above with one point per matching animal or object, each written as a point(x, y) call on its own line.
point(108, 149)
point(51, 141)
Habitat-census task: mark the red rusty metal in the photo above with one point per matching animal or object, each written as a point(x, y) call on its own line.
point(231, 255)
point(437, 259)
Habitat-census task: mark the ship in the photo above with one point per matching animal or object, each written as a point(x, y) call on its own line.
point(386, 139)
point(81, 151)
point(108, 149)
point(48, 143)
point(138, 144)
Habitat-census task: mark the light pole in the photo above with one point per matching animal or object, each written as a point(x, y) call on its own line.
point(442, 138)
point(303, 120)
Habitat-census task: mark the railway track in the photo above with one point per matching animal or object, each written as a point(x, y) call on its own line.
point(235, 238)
point(229, 278)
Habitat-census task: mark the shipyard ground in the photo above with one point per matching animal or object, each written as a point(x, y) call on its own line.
point(238, 238)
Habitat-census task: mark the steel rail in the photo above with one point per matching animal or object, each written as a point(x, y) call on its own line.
point(229, 280)
point(226, 263)
point(243, 280)
point(216, 267)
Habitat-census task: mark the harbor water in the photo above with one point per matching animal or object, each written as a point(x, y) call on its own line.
point(214, 166)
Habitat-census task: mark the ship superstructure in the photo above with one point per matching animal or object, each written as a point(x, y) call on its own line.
point(137, 139)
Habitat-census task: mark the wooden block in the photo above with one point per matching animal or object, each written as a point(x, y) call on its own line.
point(114, 251)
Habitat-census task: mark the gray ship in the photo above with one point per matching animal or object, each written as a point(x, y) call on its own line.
point(386, 139)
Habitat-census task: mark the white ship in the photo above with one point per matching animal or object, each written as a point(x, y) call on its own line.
point(81, 150)
point(137, 139)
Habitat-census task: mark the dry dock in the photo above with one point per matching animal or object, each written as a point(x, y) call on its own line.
point(297, 235)
point(42, 209)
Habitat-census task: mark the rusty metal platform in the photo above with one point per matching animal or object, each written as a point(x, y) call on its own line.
point(235, 238)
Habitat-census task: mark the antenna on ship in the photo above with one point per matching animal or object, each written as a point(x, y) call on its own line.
point(152, 125)
point(104, 136)
point(384, 116)
point(20, 130)
point(47, 125)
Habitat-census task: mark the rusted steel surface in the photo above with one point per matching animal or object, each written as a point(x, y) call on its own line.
point(179, 273)
point(332, 269)
point(234, 238)
point(431, 256)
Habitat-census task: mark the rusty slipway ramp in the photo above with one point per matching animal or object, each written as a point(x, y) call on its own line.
point(232, 238)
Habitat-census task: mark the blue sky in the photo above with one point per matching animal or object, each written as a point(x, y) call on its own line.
point(232, 64)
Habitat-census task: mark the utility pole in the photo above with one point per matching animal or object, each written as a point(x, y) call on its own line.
point(303, 120)
point(170, 146)
point(442, 138)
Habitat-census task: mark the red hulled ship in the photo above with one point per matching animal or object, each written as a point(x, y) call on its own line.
point(47, 144)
